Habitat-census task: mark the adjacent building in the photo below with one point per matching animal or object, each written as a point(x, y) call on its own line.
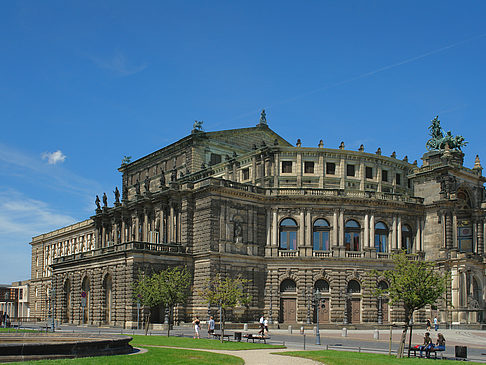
point(291, 219)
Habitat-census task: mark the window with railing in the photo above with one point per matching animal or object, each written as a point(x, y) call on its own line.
point(288, 234)
point(321, 235)
point(352, 231)
point(381, 237)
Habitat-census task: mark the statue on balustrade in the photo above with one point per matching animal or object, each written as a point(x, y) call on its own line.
point(97, 202)
point(117, 195)
point(105, 200)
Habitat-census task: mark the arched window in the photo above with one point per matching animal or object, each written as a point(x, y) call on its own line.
point(381, 237)
point(288, 286)
point(67, 302)
point(288, 234)
point(321, 235)
point(351, 235)
point(465, 235)
point(354, 287)
point(107, 288)
point(322, 286)
point(383, 285)
point(406, 238)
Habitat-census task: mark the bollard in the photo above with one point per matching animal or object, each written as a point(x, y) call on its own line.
point(314, 330)
point(359, 349)
point(327, 347)
point(344, 332)
point(245, 327)
point(304, 341)
point(376, 334)
point(290, 330)
point(301, 330)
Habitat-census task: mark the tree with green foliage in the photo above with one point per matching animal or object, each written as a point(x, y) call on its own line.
point(413, 283)
point(227, 293)
point(169, 287)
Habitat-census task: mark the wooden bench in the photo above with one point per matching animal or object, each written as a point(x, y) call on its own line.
point(429, 352)
point(218, 336)
point(256, 337)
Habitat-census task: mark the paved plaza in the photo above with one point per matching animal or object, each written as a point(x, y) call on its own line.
point(356, 340)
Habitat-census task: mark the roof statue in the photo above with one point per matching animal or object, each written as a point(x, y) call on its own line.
point(197, 127)
point(263, 118)
point(439, 141)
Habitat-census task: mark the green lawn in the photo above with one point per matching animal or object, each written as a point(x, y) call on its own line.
point(13, 330)
point(140, 340)
point(330, 357)
point(153, 356)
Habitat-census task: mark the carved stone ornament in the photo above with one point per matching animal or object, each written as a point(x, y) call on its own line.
point(448, 185)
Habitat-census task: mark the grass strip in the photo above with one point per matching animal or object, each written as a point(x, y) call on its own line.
point(153, 356)
point(332, 357)
point(184, 342)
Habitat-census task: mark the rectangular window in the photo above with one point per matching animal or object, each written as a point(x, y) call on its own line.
point(245, 174)
point(350, 170)
point(330, 168)
point(287, 167)
point(398, 179)
point(214, 159)
point(384, 175)
point(309, 167)
point(369, 172)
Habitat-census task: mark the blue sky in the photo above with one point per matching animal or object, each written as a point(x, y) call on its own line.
point(83, 83)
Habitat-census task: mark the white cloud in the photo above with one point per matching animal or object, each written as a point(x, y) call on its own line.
point(54, 157)
point(118, 64)
point(28, 217)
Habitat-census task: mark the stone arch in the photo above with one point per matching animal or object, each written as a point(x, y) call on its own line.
point(67, 301)
point(107, 299)
point(288, 300)
point(86, 298)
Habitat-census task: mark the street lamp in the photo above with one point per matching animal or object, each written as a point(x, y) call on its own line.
point(53, 308)
point(380, 309)
point(317, 302)
point(270, 321)
point(346, 299)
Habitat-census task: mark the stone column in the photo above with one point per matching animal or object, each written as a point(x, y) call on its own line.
point(366, 242)
point(455, 293)
point(399, 233)
point(253, 169)
point(321, 171)
point(335, 231)
point(372, 231)
point(275, 228)
point(448, 230)
point(341, 228)
point(362, 175)
point(115, 232)
point(137, 228)
point(262, 170)
point(418, 243)
point(298, 169)
point(123, 238)
point(301, 241)
point(480, 237)
point(342, 173)
point(161, 225)
point(104, 241)
point(378, 177)
point(308, 222)
point(454, 230)
point(276, 173)
point(475, 235)
point(269, 227)
point(394, 234)
point(171, 224)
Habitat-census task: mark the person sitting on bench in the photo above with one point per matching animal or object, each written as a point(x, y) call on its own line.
point(427, 344)
point(440, 344)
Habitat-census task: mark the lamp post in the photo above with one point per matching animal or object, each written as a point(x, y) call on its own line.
point(317, 302)
point(308, 299)
point(53, 308)
point(270, 320)
point(380, 310)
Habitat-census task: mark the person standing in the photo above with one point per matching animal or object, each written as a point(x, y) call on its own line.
point(196, 323)
point(265, 325)
point(436, 323)
point(428, 324)
point(210, 326)
point(262, 325)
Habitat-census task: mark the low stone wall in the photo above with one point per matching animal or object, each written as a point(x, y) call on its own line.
point(36, 346)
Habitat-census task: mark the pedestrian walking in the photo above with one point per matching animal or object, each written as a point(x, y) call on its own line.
point(436, 323)
point(211, 326)
point(196, 324)
point(428, 324)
